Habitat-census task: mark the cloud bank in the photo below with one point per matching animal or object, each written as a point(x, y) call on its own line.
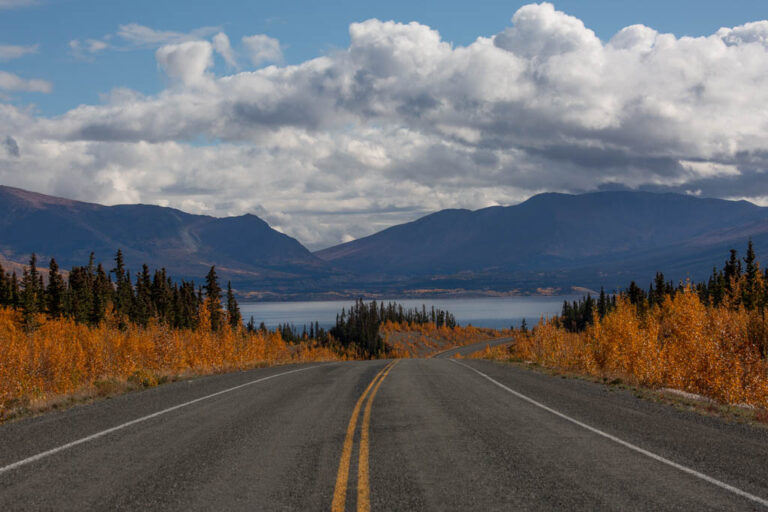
point(401, 123)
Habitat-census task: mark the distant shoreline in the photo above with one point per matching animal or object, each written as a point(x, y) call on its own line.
point(331, 297)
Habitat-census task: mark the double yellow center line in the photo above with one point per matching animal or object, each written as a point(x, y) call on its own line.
point(342, 477)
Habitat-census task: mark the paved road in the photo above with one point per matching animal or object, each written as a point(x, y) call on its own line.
point(474, 347)
point(439, 436)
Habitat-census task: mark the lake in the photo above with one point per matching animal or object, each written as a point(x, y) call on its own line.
point(494, 312)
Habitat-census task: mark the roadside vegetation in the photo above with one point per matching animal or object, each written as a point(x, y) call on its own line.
point(708, 338)
point(89, 332)
point(424, 340)
point(84, 334)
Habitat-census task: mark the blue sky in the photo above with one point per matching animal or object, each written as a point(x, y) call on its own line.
point(332, 120)
point(305, 29)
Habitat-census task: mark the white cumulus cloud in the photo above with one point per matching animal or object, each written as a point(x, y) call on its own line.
point(224, 48)
point(402, 122)
point(262, 48)
point(186, 62)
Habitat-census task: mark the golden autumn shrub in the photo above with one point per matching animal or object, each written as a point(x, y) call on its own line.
point(681, 343)
point(404, 340)
point(62, 357)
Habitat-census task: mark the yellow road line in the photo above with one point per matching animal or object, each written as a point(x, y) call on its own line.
point(340, 491)
point(363, 488)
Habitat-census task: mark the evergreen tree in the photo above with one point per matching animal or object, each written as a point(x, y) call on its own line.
point(5, 288)
point(185, 306)
point(80, 294)
point(752, 291)
point(15, 292)
point(732, 275)
point(161, 293)
point(233, 310)
point(123, 288)
point(31, 294)
point(716, 287)
point(213, 296)
point(636, 294)
point(142, 304)
point(659, 290)
point(102, 295)
point(55, 291)
point(602, 303)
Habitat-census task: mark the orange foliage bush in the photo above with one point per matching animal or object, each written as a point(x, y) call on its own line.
point(62, 357)
point(718, 352)
point(415, 340)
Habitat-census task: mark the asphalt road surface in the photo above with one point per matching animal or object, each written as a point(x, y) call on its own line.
point(420, 434)
point(474, 347)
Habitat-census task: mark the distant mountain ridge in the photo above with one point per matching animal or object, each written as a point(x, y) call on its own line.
point(244, 249)
point(549, 243)
point(588, 240)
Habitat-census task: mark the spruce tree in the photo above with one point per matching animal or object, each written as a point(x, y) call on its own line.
point(55, 291)
point(30, 295)
point(80, 296)
point(213, 295)
point(102, 295)
point(123, 288)
point(659, 289)
point(233, 310)
point(751, 294)
point(602, 303)
point(5, 288)
point(15, 294)
point(732, 275)
point(142, 304)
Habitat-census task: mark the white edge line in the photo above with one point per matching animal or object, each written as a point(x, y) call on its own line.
point(626, 444)
point(63, 447)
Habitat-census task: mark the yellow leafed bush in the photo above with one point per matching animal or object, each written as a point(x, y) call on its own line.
point(62, 357)
point(684, 344)
point(415, 339)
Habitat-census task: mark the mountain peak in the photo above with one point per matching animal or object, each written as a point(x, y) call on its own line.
point(604, 232)
point(35, 199)
point(245, 248)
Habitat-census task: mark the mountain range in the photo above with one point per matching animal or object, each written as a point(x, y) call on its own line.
point(561, 240)
point(245, 249)
point(551, 242)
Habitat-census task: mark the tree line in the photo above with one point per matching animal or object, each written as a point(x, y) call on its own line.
point(360, 324)
point(740, 283)
point(291, 333)
point(89, 292)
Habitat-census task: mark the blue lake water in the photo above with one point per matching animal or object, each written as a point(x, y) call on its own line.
point(494, 312)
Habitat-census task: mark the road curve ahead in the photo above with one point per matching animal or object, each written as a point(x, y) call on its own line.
point(474, 347)
point(416, 434)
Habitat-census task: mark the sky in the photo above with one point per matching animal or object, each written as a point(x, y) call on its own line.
point(333, 120)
